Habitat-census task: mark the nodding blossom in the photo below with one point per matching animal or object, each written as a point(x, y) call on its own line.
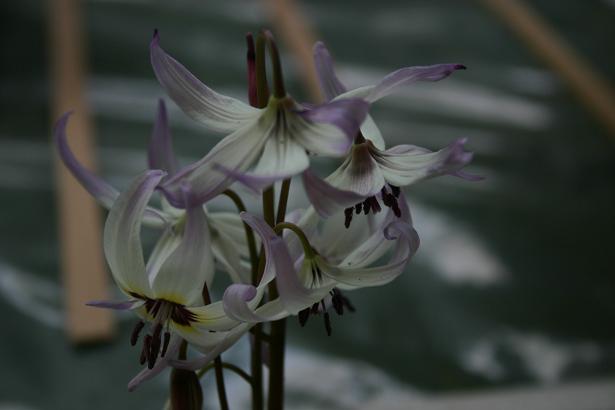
point(373, 173)
point(266, 144)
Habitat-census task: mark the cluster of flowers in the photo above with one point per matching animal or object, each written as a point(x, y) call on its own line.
point(311, 255)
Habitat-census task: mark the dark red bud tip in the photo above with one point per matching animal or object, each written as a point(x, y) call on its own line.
point(460, 67)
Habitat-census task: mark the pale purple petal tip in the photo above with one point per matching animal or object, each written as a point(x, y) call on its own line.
point(104, 193)
point(408, 75)
point(346, 114)
point(115, 305)
point(235, 301)
point(160, 153)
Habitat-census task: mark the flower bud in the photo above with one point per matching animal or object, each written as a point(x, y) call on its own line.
point(186, 392)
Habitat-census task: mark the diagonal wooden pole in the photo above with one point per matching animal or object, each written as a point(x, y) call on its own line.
point(82, 263)
point(593, 90)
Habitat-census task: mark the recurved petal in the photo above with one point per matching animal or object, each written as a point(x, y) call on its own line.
point(160, 153)
point(403, 165)
point(122, 234)
point(330, 128)
point(104, 193)
point(212, 344)
point(330, 85)
point(182, 276)
point(216, 111)
point(325, 198)
point(237, 152)
point(116, 305)
point(402, 77)
point(407, 242)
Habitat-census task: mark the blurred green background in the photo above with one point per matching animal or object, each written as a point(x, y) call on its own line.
point(513, 284)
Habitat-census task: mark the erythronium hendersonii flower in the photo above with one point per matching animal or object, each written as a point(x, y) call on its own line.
point(371, 172)
point(270, 143)
point(308, 277)
point(228, 240)
point(167, 291)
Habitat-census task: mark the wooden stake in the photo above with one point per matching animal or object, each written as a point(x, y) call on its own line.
point(82, 263)
point(588, 85)
point(293, 29)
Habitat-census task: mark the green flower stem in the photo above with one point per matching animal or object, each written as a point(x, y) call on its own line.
point(249, 234)
point(277, 342)
point(217, 362)
point(229, 366)
point(307, 248)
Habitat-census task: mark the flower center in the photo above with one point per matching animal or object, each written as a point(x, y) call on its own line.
point(155, 343)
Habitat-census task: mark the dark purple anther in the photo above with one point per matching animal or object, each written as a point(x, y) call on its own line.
point(348, 215)
point(165, 343)
point(304, 315)
point(134, 336)
point(147, 341)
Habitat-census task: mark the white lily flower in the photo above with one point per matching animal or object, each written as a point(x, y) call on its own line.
point(371, 172)
point(266, 144)
point(309, 277)
point(228, 241)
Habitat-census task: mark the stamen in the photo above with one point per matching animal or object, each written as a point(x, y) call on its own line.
point(304, 315)
point(147, 341)
point(134, 336)
point(357, 208)
point(328, 324)
point(348, 215)
point(396, 191)
point(165, 343)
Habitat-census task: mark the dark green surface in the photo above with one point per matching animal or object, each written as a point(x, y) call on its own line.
point(545, 212)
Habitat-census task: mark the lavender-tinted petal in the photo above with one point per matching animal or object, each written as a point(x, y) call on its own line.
point(160, 153)
point(325, 198)
point(104, 193)
point(346, 114)
point(330, 85)
point(255, 183)
point(409, 75)
point(115, 305)
point(161, 364)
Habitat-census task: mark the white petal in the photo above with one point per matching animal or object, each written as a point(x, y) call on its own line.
point(370, 131)
point(212, 344)
point(407, 242)
point(122, 234)
point(238, 152)
point(166, 245)
point(182, 276)
point(281, 157)
point(216, 111)
point(359, 173)
point(325, 198)
point(403, 165)
point(319, 138)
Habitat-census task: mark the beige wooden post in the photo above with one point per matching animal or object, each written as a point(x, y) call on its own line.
point(82, 263)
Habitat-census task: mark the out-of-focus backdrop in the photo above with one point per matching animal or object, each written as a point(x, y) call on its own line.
point(513, 287)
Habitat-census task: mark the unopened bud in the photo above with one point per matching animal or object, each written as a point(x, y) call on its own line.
point(186, 392)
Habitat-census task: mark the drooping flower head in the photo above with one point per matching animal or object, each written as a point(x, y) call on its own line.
point(266, 144)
